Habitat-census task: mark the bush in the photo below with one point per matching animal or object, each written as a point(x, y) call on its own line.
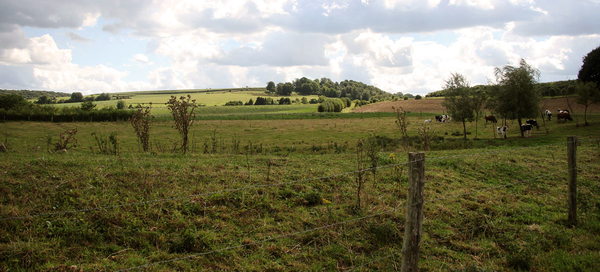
point(418, 97)
point(234, 103)
point(332, 105)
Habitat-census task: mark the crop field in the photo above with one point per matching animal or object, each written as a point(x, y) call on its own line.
point(290, 195)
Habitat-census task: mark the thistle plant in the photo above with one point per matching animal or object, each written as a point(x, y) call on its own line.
point(140, 121)
point(183, 116)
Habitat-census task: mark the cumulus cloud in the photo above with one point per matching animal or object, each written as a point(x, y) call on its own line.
point(37, 50)
point(141, 58)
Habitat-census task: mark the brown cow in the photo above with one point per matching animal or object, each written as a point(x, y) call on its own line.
point(491, 118)
point(564, 115)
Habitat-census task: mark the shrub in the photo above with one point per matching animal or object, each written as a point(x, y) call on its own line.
point(183, 116)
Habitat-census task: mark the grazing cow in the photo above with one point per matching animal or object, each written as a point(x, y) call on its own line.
point(442, 118)
point(533, 122)
point(564, 115)
point(428, 121)
point(501, 130)
point(491, 118)
point(526, 128)
point(549, 115)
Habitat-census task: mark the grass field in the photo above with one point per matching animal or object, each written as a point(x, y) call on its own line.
point(281, 195)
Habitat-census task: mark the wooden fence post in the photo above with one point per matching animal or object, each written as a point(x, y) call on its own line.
point(414, 212)
point(572, 164)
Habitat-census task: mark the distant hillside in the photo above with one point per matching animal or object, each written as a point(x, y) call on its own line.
point(547, 89)
point(34, 94)
point(432, 105)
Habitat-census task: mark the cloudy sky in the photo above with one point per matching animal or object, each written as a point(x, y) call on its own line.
point(408, 46)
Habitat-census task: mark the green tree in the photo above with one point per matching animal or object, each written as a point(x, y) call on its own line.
point(587, 93)
point(459, 100)
point(515, 95)
point(76, 97)
point(43, 100)
point(120, 104)
point(304, 100)
point(418, 97)
point(271, 87)
point(88, 106)
point(183, 116)
point(140, 121)
point(103, 97)
point(286, 89)
point(590, 70)
point(12, 101)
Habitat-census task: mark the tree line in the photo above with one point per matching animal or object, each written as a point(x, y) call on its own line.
point(351, 89)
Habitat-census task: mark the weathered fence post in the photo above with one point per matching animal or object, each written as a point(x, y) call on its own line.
point(572, 164)
point(414, 212)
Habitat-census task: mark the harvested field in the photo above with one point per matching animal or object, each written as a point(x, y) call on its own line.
point(434, 105)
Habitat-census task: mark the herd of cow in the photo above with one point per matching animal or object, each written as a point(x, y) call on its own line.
point(526, 128)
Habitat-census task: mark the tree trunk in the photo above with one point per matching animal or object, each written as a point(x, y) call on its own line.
point(522, 135)
point(464, 129)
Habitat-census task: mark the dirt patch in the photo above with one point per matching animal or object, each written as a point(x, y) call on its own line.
point(435, 106)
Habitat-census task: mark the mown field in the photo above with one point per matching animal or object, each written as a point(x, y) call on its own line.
point(281, 195)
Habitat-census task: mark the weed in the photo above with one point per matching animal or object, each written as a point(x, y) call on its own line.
point(313, 198)
point(107, 145)
point(66, 140)
point(183, 116)
point(140, 121)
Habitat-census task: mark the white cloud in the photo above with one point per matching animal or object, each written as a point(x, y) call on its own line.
point(141, 58)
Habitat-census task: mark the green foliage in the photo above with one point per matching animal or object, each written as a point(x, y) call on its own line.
point(234, 103)
point(587, 94)
point(12, 102)
point(459, 100)
point(515, 96)
point(313, 198)
point(107, 145)
point(285, 101)
point(418, 97)
point(75, 97)
point(88, 106)
point(121, 104)
point(263, 101)
point(140, 121)
point(271, 87)
point(103, 97)
point(590, 70)
point(332, 105)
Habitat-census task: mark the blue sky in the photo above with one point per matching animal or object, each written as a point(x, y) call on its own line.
point(404, 46)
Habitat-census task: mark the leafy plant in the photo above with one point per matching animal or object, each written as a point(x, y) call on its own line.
point(107, 145)
point(183, 116)
point(140, 121)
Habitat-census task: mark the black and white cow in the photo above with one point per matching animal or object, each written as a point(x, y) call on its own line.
point(526, 128)
point(501, 130)
point(442, 118)
point(549, 115)
point(533, 122)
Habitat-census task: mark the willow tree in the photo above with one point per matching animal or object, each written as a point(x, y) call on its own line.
point(516, 95)
point(458, 100)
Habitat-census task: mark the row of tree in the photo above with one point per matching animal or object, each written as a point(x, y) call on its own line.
point(353, 90)
point(516, 93)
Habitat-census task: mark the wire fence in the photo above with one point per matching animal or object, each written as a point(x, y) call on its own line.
point(348, 221)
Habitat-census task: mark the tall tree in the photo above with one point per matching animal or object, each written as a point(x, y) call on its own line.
point(590, 70)
point(516, 95)
point(588, 89)
point(271, 87)
point(458, 100)
point(76, 97)
point(587, 93)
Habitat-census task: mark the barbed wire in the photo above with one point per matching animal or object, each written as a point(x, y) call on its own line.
point(254, 186)
point(268, 239)
point(339, 223)
point(437, 240)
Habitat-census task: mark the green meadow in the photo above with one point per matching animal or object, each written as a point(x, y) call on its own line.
point(282, 194)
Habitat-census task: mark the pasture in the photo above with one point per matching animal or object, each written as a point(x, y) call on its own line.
point(280, 195)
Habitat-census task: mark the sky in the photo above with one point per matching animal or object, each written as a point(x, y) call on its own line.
point(408, 46)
